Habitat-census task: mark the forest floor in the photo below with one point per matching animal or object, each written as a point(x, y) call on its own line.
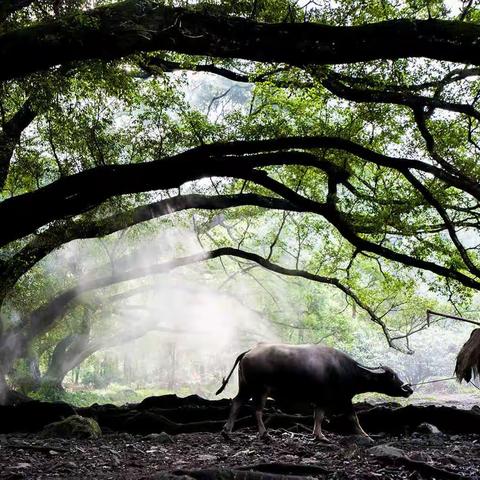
point(127, 456)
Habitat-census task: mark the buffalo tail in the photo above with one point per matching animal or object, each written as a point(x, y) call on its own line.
point(225, 380)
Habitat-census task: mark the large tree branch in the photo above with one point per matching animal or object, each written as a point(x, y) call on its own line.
point(64, 232)
point(14, 342)
point(453, 76)
point(78, 193)
point(10, 136)
point(43, 318)
point(421, 121)
point(333, 83)
point(237, 159)
point(153, 65)
point(349, 231)
point(132, 26)
point(450, 227)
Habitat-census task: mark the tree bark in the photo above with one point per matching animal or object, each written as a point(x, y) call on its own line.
point(66, 356)
point(78, 193)
point(10, 136)
point(133, 26)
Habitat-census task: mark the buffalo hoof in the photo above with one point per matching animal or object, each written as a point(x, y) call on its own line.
point(265, 437)
point(322, 439)
point(226, 435)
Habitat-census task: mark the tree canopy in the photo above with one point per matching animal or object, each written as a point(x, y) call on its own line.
point(337, 143)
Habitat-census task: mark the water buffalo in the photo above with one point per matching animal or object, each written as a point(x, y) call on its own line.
point(322, 376)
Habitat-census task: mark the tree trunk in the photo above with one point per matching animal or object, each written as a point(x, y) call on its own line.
point(172, 366)
point(76, 375)
point(3, 388)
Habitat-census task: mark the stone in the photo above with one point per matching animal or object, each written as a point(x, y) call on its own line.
point(386, 451)
point(421, 457)
point(74, 426)
point(161, 437)
point(428, 428)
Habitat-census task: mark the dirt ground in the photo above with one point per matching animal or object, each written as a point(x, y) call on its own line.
point(126, 456)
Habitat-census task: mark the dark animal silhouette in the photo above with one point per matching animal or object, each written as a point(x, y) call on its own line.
point(323, 376)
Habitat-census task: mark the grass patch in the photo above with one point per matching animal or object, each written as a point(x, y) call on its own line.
point(115, 394)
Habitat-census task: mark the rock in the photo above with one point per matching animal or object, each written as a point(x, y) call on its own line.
point(124, 436)
point(421, 457)
point(428, 428)
point(161, 437)
point(164, 401)
point(207, 458)
point(386, 451)
point(74, 426)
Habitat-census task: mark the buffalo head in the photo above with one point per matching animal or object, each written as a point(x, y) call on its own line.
point(386, 381)
point(390, 384)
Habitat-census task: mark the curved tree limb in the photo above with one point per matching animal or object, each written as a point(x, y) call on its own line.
point(10, 136)
point(348, 230)
point(14, 342)
point(331, 81)
point(78, 193)
point(132, 26)
point(64, 232)
point(430, 198)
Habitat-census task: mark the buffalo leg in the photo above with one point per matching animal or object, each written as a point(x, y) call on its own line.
point(319, 415)
point(260, 401)
point(356, 425)
point(237, 403)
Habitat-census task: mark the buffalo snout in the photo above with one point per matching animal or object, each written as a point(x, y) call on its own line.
point(407, 390)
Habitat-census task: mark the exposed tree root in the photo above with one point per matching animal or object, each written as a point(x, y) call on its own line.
point(175, 415)
point(236, 474)
point(285, 469)
point(425, 469)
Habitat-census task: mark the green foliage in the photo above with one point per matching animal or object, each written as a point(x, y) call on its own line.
point(116, 395)
point(96, 114)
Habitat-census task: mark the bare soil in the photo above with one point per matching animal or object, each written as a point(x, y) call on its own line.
point(127, 456)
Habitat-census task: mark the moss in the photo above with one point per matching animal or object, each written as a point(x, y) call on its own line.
point(74, 426)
